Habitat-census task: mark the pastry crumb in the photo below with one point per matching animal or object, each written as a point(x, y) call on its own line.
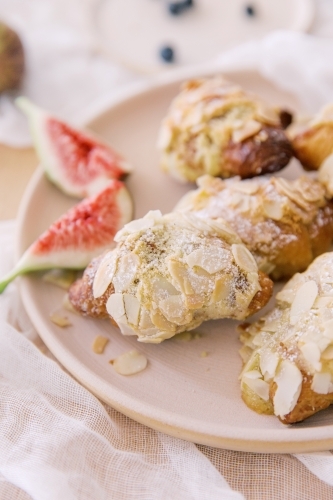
point(99, 344)
point(59, 320)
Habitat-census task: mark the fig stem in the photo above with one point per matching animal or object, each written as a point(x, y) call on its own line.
point(25, 105)
point(8, 278)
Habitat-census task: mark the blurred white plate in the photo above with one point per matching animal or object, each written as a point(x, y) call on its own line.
point(133, 31)
point(180, 393)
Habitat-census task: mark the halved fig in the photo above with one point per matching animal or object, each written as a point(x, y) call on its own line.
point(78, 163)
point(85, 231)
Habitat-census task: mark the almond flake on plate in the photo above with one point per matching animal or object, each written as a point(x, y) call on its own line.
point(129, 363)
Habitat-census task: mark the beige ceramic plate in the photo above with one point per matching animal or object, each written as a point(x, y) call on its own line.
point(180, 393)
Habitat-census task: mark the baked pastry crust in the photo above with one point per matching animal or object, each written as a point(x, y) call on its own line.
point(288, 353)
point(81, 296)
point(170, 273)
point(312, 141)
point(284, 224)
point(214, 127)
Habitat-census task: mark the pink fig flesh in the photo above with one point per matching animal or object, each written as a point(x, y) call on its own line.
point(84, 232)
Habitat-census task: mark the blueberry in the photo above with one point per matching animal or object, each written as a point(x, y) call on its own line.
point(250, 10)
point(176, 8)
point(167, 54)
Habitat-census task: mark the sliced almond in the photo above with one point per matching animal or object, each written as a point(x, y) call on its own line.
point(99, 344)
point(312, 354)
point(323, 302)
point(165, 136)
point(173, 308)
point(286, 295)
point(130, 363)
point(327, 355)
point(252, 374)
point(222, 229)
point(303, 301)
point(321, 383)
point(244, 259)
point(126, 272)
point(162, 288)
point(212, 259)
point(248, 186)
point(145, 320)
point(179, 273)
point(161, 322)
point(132, 308)
point(258, 386)
point(250, 128)
point(268, 364)
point(125, 327)
point(194, 301)
point(115, 306)
point(272, 324)
point(272, 209)
point(245, 353)
point(104, 273)
point(328, 329)
point(325, 115)
point(201, 281)
point(222, 289)
point(139, 225)
point(267, 114)
point(286, 188)
point(289, 384)
point(245, 205)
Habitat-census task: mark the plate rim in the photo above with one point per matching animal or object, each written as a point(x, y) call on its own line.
point(233, 438)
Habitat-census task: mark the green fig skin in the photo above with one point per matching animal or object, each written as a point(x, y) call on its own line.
point(11, 59)
point(98, 162)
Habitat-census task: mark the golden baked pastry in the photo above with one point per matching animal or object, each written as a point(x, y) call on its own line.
point(214, 127)
point(170, 273)
point(288, 353)
point(312, 141)
point(81, 296)
point(325, 175)
point(285, 224)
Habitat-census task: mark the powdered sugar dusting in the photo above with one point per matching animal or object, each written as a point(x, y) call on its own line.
point(181, 270)
point(300, 347)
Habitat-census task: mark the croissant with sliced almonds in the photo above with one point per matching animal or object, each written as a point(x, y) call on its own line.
point(170, 273)
point(285, 224)
point(312, 140)
point(288, 353)
point(215, 127)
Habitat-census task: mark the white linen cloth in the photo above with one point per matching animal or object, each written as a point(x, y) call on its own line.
point(56, 439)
